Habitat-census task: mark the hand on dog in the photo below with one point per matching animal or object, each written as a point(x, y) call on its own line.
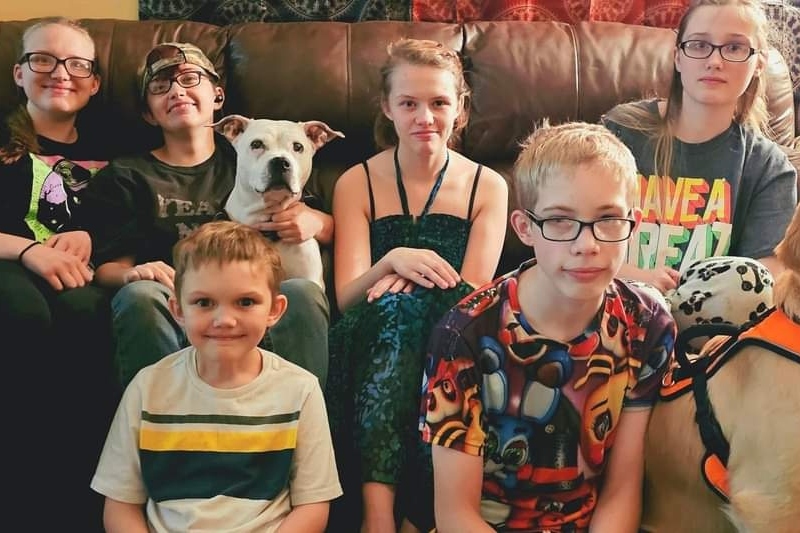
point(426, 268)
point(663, 278)
point(62, 270)
point(391, 283)
point(156, 271)
point(294, 224)
point(77, 243)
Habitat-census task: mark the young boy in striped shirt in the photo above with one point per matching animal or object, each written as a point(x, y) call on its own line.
point(221, 435)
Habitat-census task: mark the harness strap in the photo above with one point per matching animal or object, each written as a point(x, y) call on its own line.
point(715, 474)
point(710, 431)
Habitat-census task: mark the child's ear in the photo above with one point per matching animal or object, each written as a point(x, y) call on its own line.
point(148, 117)
point(637, 216)
point(279, 305)
point(18, 75)
point(523, 226)
point(176, 310)
point(385, 109)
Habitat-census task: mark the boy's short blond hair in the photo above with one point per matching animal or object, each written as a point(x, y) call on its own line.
point(551, 152)
point(226, 242)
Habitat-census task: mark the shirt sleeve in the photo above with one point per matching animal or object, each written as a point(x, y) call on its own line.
point(768, 210)
point(116, 204)
point(119, 472)
point(653, 339)
point(451, 410)
point(314, 477)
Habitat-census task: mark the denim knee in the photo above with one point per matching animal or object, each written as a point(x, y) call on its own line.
point(301, 335)
point(144, 328)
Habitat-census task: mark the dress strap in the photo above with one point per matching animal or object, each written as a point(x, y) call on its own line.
point(474, 188)
point(401, 190)
point(371, 196)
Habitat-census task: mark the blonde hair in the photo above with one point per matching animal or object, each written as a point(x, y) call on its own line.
point(420, 52)
point(21, 134)
point(223, 242)
point(751, 107)
point(551, 152)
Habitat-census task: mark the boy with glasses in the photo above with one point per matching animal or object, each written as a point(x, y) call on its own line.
point(142, 205)
point(540, 384)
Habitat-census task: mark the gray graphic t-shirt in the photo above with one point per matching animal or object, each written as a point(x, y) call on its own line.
point(731, 195)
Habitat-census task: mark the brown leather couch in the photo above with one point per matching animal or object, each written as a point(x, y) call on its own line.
point(520, 73)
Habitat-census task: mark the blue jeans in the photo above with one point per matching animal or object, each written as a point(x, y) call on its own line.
point(145, 330)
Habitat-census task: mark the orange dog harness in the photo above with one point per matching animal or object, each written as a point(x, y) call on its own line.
point(773, 331)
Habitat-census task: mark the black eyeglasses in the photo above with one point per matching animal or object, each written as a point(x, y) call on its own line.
point(44, 63)
point(733, 52)
point(162, 85)
point(565, 229)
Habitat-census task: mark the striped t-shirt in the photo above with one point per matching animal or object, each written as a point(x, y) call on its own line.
point(219, 459)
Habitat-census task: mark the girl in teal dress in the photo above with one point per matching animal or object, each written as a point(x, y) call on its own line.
point(417, 227)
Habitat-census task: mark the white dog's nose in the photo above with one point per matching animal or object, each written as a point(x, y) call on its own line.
point(279, 166)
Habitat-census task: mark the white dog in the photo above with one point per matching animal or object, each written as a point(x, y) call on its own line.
point(274, 163)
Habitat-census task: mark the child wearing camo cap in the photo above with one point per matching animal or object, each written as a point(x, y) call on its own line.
point(140, 206)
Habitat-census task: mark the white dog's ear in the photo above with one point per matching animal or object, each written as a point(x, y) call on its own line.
point(231, 126)
point(320, 133)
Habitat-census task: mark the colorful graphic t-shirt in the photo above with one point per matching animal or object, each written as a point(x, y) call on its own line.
point(731, 195)
point(44, 191)
point(541, 412)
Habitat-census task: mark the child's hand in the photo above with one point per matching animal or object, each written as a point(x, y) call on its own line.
point(391, 283)
point(156, 271)
point(295, 224)
point(62, 270)
point(77, 243)
point(426, 268)
point(663, 278)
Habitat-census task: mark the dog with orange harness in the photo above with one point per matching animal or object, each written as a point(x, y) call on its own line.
point(722, 446)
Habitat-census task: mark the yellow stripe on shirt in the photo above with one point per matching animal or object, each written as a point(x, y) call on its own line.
point(218, 441)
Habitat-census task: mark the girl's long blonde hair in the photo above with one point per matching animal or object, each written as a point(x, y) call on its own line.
point(751, 108)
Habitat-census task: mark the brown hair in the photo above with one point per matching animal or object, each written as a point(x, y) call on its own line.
point(751, 108)
point(225, 242)
point(21, 134)
point(421, 52)
point(552, 152)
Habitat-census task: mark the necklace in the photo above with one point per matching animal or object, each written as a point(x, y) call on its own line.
point(402, 190)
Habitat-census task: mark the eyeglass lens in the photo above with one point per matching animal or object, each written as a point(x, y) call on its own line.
point(607, 229)
point(160, 85)
point(45, 63)
point(735, 52)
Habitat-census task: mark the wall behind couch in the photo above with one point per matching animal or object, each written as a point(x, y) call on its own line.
point(23, 10)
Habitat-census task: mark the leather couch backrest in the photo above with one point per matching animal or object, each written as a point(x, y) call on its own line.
point(520, 73)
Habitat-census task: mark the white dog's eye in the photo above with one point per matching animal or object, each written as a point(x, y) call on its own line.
point(298, 148)
point(257, 144)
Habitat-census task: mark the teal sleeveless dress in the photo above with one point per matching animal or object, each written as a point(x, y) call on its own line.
point(377, 350)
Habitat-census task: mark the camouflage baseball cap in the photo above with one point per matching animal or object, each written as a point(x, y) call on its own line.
point(166, 55)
